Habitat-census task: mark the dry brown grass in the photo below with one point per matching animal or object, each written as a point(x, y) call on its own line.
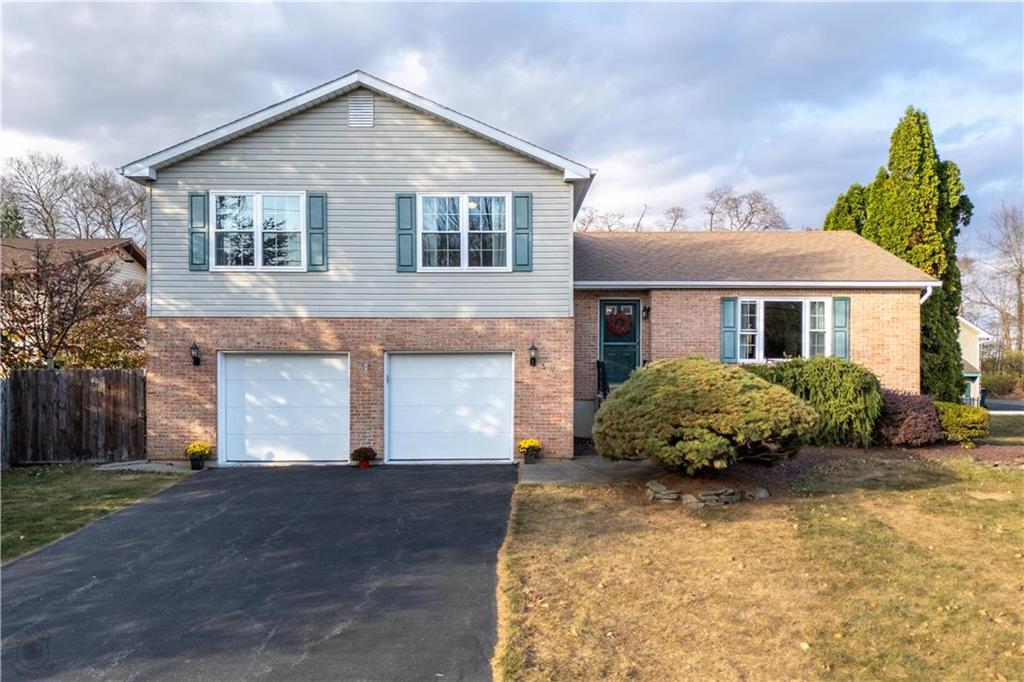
point(873, 570)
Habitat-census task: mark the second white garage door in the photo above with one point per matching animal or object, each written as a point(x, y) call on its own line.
point(449, 407)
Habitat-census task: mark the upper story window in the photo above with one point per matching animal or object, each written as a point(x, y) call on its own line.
point(776, 329)
point(464, 231)
point(258, 230)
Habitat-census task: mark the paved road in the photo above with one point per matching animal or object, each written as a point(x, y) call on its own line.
point(1004, 405)
point(312, 573)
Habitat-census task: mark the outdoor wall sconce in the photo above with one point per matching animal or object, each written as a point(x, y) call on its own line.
point(194, 351)
point(533, 355)
point(645, 312)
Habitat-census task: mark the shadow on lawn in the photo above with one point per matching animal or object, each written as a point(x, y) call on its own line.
point(874, 473)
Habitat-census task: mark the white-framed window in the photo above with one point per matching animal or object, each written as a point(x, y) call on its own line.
point(773, 329)
point(257, 230)
point(468, 231)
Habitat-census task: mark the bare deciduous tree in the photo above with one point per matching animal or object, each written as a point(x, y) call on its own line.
point(725, 210)
point(592, 220)
point(70, 310)
point(674, 219)
point(639, 224)
point(56, 200)
point(994, 282)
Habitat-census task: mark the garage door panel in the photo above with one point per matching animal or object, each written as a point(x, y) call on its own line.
point(451, 418)
point(288, 420)
point(269, 393)
point(429, 446)
point(450, 366)
point(450, 407)
point(298, 448)
point(281, 407)
point(285, 366)
point(494, 392)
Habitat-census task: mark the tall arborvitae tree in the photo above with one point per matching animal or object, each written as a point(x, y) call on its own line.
point(850, 210)
point(915, 209)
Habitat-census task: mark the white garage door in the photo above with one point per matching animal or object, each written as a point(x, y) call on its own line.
point(284, 407)
point(454, 407)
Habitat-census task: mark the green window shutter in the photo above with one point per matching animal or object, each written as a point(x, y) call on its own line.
point(841, 327)
point(405, 232)
point(316, 230)
point(729, 332)
point(198, 231)
point(522, 232)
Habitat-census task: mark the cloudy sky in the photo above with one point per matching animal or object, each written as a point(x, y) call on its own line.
point(667, 101)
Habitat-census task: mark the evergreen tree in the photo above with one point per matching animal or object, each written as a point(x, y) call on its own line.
point(12, 225)
point(915, 209)
point(850, 210)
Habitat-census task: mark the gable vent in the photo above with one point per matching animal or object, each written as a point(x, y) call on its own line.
point(360, 110)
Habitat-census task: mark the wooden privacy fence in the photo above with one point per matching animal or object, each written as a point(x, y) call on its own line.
point(58, 415)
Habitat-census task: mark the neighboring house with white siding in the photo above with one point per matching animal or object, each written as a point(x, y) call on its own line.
point(128, 258)
point(971, 337)
point(360, 266)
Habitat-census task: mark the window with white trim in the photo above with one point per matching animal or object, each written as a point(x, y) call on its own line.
point(779, 328)
point(464, 231)
point(258, 230)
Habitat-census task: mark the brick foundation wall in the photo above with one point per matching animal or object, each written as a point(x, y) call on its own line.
point(181, 399)
point(885, 327)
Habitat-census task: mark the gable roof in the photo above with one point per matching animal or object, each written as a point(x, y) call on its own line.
point(982, 334)
point(21, 252)
point(813, 258)
point(145, 169)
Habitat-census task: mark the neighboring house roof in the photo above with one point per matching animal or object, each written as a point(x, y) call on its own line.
point(982, 334)
point(145, 169)
point(22, 251)
point(808, 258)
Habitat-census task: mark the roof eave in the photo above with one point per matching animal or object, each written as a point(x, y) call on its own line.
point(146, 168)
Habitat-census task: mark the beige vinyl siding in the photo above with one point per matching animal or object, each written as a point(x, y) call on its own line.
point(128, 271)
point(361, 170)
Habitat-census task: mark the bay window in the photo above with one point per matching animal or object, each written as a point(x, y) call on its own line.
point(777, 329)
point(258, 230)
point(463, 231)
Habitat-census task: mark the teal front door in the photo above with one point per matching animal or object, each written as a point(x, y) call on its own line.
point(620, 339)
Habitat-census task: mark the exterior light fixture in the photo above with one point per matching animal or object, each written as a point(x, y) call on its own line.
point(645, 312)
point(533, 355)
point(194, 351)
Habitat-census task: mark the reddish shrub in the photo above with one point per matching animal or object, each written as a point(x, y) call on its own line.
point(908, 419)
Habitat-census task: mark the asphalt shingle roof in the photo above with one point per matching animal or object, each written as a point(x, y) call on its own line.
point(804, 256)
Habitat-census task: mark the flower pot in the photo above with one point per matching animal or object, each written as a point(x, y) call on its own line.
point(363, 464)
point(197, 463)
point(529, 459)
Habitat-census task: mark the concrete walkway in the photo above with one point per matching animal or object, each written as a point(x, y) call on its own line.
point(587, 470)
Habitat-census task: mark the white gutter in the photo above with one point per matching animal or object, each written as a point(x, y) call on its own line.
point(927, 294)
point(753, 284)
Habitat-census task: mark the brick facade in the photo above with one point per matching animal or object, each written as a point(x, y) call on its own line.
point(181, 399)
point(885, 329)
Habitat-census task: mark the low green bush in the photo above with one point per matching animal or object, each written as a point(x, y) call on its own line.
point(693, 413)
point(999, 383)
point(963, 424)
point(847, 397)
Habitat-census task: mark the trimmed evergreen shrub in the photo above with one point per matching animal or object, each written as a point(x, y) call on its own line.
point(963, 423)
point(847, 397)
point(908, 420)
point(693, 413)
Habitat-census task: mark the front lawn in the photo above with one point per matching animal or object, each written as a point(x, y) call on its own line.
point(40, 504)
point(871, 567)
point(1006, 429)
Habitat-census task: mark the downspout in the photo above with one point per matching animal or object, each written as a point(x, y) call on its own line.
point(927, 294)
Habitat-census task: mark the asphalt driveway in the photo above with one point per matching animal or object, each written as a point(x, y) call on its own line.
point(310, 573)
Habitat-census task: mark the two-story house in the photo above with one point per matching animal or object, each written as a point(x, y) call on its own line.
point(360, 266)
